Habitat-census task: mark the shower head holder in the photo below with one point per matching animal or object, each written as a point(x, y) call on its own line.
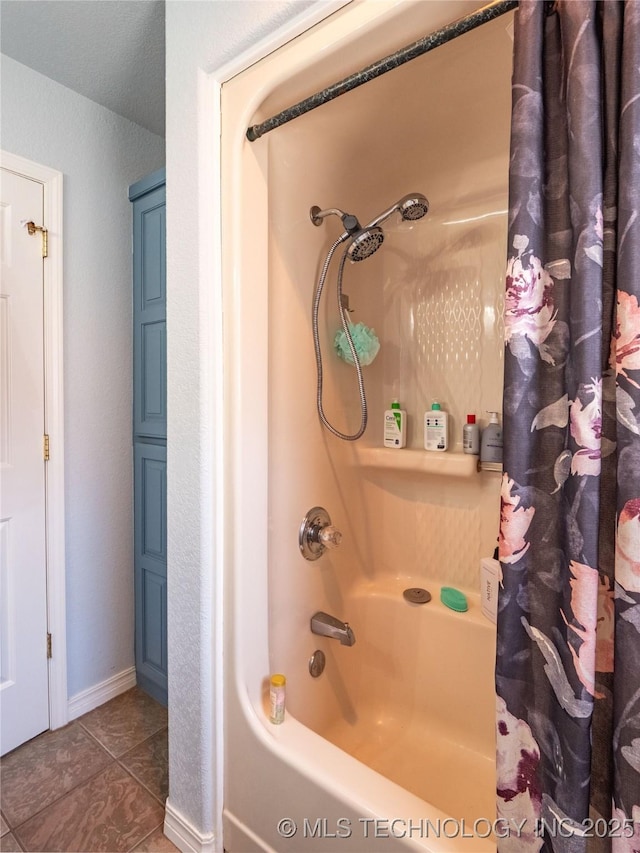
point(350, 222)
point(365, 241)
point(316, 214)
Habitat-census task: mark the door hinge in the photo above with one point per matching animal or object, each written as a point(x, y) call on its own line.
point(32, 228)
point(46, 448)
point(49, 652)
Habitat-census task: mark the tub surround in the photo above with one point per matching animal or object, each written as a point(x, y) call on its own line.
point(387, 730)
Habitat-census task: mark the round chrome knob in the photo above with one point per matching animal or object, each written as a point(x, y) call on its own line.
point(316, 534)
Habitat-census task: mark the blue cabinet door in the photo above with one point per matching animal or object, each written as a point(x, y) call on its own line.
point(150, 433)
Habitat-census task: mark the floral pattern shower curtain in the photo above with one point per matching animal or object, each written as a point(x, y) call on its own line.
point(568, 656)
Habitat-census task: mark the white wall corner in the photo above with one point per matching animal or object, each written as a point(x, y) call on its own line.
point(91, 698)
point(185, 836)
point(192, 296)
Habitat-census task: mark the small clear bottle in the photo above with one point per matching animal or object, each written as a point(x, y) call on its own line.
point(471, 436)
point(277, 698)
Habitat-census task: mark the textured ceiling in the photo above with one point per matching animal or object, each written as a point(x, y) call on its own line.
point(111, 51)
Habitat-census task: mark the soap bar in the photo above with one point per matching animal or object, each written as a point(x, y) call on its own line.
point(454, 599)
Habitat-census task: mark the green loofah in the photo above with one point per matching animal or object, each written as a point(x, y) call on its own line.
point(365, 341)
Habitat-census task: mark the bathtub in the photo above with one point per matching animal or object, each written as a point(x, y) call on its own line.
point(399, 690)
point(404, 764)
point(400, 726)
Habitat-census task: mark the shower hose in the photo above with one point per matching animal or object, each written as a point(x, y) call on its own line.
point(345, 326)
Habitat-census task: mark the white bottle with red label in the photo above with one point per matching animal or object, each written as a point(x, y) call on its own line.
point(471, 436)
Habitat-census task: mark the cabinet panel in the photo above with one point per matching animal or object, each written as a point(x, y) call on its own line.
point(154, 594)
point(153, 273)
point(153, 501)
point(153, 379)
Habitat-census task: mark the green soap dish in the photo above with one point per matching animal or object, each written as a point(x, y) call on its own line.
point(454, 599)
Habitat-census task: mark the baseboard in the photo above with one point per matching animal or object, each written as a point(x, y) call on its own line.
point(89, 699)
point(185, 836)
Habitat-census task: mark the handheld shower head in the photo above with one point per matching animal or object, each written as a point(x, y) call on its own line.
point(410, 207)
point(365, 244)
point(413, 207)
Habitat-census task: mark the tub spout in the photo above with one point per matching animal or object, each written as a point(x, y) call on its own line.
point(329, 626)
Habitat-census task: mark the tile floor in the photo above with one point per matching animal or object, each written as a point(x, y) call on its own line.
point(98, 784)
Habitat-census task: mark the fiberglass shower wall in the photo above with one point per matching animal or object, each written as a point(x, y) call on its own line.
point(433, 293)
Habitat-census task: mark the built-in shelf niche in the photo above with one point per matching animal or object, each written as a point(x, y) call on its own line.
point(447, 464)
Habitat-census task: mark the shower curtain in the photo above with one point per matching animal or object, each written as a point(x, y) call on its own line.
point(568, 648)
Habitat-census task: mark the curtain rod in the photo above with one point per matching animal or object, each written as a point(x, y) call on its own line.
point(405, 54)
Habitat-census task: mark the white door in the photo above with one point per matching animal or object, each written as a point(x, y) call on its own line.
point(24, 692)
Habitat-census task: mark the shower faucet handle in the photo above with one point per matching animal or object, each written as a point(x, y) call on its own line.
point(330, 536)
point(316, 534)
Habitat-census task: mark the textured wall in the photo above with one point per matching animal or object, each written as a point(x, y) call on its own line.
point(195, 44)
point(100, 154)
point(96, 49)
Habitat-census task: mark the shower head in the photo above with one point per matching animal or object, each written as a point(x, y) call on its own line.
point(365, 243)
point(413, 207)
point(410, 207)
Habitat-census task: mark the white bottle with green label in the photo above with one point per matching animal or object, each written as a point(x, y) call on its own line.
point(395, 426)
point(436, 428)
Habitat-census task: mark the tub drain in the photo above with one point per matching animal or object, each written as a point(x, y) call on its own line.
point(416, 595)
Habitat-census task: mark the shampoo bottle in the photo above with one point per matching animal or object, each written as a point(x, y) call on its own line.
point(491, 446)
point(436, 428)
point(471, 436)
point(395, 426)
